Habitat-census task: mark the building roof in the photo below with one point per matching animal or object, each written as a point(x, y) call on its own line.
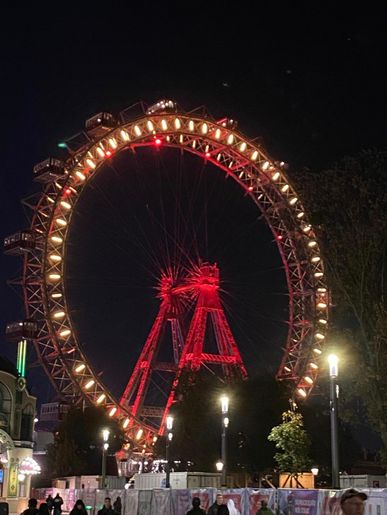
point(7, 366)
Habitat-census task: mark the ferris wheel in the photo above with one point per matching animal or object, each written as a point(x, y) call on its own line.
point(45, 254)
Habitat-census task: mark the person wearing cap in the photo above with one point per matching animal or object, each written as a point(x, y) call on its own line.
point(352, 502)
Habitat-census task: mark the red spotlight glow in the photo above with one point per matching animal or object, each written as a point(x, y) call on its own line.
point(250, 188)
point(67, 191)
point(108, 153)
point(208, 154)
point(279, 237)
point(158, 142)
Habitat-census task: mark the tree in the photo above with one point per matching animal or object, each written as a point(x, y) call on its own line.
point(293, 442)
point(348, 210)
point(77, 442)
point(64, 458)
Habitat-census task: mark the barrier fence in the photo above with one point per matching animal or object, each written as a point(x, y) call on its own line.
point(244, 501)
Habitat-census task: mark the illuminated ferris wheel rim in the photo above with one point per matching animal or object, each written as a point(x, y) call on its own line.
point(240, 158)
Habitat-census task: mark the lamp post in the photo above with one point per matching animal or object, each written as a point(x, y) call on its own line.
point(314, 471)
point(105, 436)
point(169, 426)
point(333, 361)
point(224, 400)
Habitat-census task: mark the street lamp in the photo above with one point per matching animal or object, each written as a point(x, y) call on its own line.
point(333, 361)
point(169, 426)
point(224, 401)
point(314, 471)
point(105, 447)
point(219, 466)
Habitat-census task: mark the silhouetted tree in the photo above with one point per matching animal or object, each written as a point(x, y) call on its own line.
point(348, 204)
point(78, 440)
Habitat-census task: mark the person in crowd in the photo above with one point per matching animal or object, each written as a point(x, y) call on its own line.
point(32, 507)
point(43, 509)
point(352, 502)
point(107, 508)
point(58, 501)
point(117, 505)
point(196, 509)
point(50, 503)
point(264, 510)
point(79, 508)
point(232, 508)
point(218, 508)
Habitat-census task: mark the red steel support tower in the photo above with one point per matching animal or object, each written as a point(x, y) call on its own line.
point(170, 313)
point(203, 284)
point(202, 287)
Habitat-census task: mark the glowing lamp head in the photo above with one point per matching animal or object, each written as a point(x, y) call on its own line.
point(108, 153)
point(219, 466)
point(105, 434)
point(169, 423)
point(333, 361)
point(224, 401)
point(314, 470)
point(158, 142)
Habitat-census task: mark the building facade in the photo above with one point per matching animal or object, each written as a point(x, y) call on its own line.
point(17, 414)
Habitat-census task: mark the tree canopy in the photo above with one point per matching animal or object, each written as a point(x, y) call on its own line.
point(293, 443)
point(77, 443)
point(348, 206)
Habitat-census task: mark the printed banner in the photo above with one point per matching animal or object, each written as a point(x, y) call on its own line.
point(88, 497)
point(182, 499)
point(130, 504)
point(256, 496)
point(161, 502)
point(234, 499)
point(244, 501)
point(298, 502)
point(69, 500)
point(144, 502)
point(377, 501)
point(206, 496)
point(329, 502)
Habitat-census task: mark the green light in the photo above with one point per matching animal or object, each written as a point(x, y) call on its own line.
point(62, 144)
point(21, 358)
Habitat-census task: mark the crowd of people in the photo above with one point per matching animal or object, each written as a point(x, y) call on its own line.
point(352, 502)
point(220, 507)
point(53, 506)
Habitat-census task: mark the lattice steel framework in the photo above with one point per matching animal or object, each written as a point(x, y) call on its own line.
point(264, 180)
point(169, 317)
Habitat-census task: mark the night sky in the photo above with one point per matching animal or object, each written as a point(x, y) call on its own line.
point(310, 82)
